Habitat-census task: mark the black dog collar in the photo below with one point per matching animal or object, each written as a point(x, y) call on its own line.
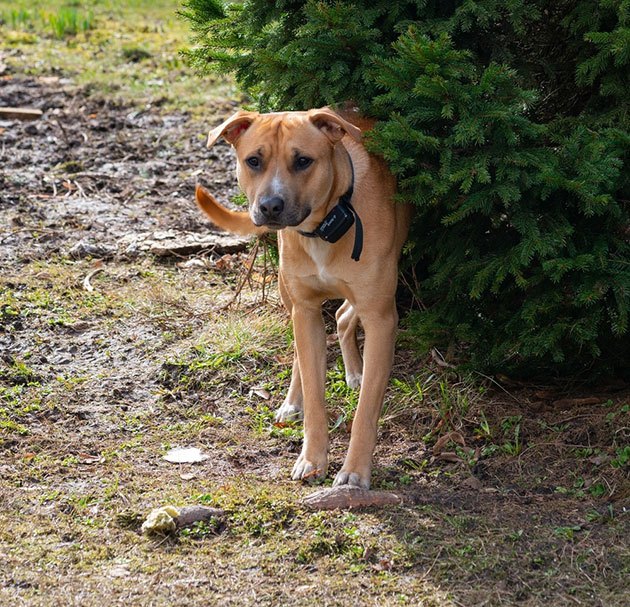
point(339, 221)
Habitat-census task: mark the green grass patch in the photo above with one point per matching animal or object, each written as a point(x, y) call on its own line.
point(69, 21)
point(19, 401)
point(61, 22)
point(238, 344)
point(128, 50)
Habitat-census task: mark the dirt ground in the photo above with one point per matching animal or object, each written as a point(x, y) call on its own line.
point(115, 346)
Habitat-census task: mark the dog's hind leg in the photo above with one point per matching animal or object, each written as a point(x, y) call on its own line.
point(347, 324)
point(292, 407)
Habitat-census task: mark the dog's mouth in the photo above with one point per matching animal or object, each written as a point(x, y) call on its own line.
point(286, 220)
point(271, 225)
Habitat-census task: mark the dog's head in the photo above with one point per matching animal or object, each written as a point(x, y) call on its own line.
point(289, 164)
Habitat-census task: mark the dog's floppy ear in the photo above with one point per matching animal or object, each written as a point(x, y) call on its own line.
point(232, 128)
point(333, 125)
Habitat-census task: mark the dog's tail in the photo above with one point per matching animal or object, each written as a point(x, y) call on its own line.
point(237, 222)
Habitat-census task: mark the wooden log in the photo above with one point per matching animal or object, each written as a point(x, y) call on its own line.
point(178, 243)
point(346, 497)
point(193, 514)
point(20, 113)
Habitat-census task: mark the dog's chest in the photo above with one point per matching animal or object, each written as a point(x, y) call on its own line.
point(323, 273)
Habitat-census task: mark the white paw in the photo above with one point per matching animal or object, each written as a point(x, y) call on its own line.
point(353, 380)
point(308, 470)
point(289, 412)
point(354, 479)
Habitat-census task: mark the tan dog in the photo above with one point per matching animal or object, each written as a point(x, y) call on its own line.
point(299, 171)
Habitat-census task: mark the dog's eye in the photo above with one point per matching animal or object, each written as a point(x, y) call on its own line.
point(253, 162)
point(303, 162)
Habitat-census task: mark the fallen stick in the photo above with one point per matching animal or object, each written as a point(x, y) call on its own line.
point(439, 359)
point(20, 113)
point(87, 285)
point(345, 497)
point(578, 402)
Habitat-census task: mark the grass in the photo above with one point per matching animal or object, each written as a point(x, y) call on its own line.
point(126, 50)
point(68, 22)
point(89, 484)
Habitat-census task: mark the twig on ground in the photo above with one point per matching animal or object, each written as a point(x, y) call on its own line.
point(80, 190)
point(87, 285)
point(439, 359)
point(245, 278)
point(498, 385)
point(63, 132)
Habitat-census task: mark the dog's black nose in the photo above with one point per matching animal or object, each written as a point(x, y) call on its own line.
point(271, 207)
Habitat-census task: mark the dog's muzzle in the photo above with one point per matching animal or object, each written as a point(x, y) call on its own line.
point(273, 212)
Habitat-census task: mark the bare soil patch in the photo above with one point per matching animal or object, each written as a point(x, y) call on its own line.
point(96, 177)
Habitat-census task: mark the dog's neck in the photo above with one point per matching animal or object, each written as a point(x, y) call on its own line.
point(340, 219)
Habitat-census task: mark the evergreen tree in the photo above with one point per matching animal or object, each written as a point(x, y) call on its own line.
point(506, 124)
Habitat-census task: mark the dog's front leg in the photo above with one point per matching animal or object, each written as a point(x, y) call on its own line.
point(378, 352)
point(310, 341)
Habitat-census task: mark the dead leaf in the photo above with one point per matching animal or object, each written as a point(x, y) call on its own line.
point(86, 458)
point(262, 392)
point(472, 482)
point(449, 437)
point(598, 460)
point(285, 359)
point(225, 262)
point(384, 564)
point(119, 571)
point(185, 455)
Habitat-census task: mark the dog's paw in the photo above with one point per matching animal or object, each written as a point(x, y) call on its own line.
point(353, 380)
point(289, 412)
point(353, 479)
point(308, 470)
